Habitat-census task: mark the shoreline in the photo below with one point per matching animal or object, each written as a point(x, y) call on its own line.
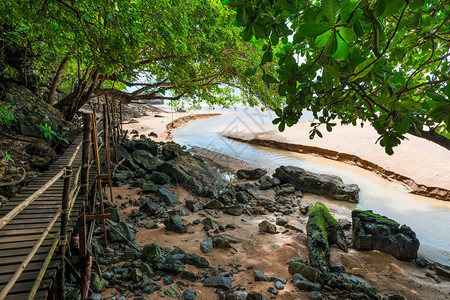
point(416, 188)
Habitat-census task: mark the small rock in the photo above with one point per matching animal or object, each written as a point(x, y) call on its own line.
point(206, 245)
point(254, 296)
point(422, 261)
point(168, 280)
point(194, 205)
point(159, 178)
point(396, 296)
point(235, 210)
point(168, 197)
point(218, 282)
point(209, 222)
point(172, 291)
point(150, 187)
point(214, 204)
point(259, 276)
point(279, 285)
point(175, 223)
point(315, 295)
point(281, 221)
point(266, 226)
point(304, 284)
point(338, 268)
point(97, 284)
point(223, 241)
point(251, 174)
point(151, 251)
point(188, 295)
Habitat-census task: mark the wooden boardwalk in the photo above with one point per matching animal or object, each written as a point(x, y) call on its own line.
point(19, 236)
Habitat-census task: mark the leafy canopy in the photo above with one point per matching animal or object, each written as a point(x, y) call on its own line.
point(381, 61)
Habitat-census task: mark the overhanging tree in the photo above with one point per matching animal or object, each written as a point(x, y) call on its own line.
point(379, 61)
point(93, 48)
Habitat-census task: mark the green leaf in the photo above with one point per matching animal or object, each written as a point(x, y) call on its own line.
point(403, 126)
point(347, 7)
point(416, 4)
point(327, 79)
point(435, 96)
point(259, 30)
point(322, 39)
point(267, 57)
point(268, 79)
point(342, 49)
point(363, 66)
point(378, 7)
point(348, 34)
point(358, 29)
point(331, 9)
point(281, 126)
point(250, 72)
point(393, 7)
point(312, 29)
point(331, 46)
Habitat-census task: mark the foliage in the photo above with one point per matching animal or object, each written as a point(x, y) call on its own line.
point(165, 49)
point(7, 156)
point(385, 62)
point(7, 116)
point(50, 134)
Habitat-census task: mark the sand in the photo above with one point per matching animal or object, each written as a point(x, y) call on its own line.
point(270, 252)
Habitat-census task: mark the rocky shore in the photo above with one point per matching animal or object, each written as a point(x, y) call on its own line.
point(181, 228)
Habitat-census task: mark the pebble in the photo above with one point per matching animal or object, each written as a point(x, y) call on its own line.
point(279, 285)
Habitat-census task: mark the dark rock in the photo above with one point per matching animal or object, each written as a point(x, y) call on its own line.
point(150, 252)
point(142, 144)
point(321, 184)
point(173, 150)
point(213, 204)
point(266, 226)
point(279, 285)
point(433, 275)
point(315, 295)
point(298, 259)
point(159, 178)
point(168, 280)
point(306, 271)
point(150, 187)
point(218, 282)
point(302, 283)
point(151, 286)
point(243, 197)
point(188, 295)
point(284, 189)
point(237, 295)
point(169, 265)
point(145, 160)
point(192, 259)
point(146, 269)
point(251, 174)
point(235, 210)
point(265, 182)
point(206, 245)
point(259, 276)
point(97, 284)
point(422, 261)
point(337, 268)
point(124, 229)
point(168, 197)
point(210, 223)
point(193, 175)
point(172, 291)
point(442, 270)
point(194, 205)
point(40, 163)
point(40, 148)
point(375, 232)
point(149, 208)
point(254, 296)
point(188, 275)
point(223, 241)
point(281, 221)
point(123, 175)
point(175, 223)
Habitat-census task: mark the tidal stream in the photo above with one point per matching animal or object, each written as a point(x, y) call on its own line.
point(428, 217)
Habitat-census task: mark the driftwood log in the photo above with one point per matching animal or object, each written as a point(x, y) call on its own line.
point(322, 230)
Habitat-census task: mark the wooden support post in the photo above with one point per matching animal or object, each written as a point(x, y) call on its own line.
point(87, 118)
point(63, 232)
point(105, 127)
point(121, 118)
point(83, 248)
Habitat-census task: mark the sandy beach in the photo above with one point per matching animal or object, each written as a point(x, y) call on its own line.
point(268, 252)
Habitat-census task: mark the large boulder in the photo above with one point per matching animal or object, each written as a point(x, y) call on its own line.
point(142, 144)
point(375, 232)
point(31, 112)
point(193, 174)
point(145, 160)
point(321, 184)
point(172, 150)
point(252, 174)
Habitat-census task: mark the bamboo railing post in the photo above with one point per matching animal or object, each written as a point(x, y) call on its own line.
point(87, 118)
point(82, 240)
point(63, 233)
point(105, 127)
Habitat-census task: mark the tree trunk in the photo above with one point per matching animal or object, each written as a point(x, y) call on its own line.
point(322, 229)
point(57, 79)
point(432, 136)
point(70, 104)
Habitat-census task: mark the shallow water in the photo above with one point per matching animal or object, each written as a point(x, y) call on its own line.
point(428, 217)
